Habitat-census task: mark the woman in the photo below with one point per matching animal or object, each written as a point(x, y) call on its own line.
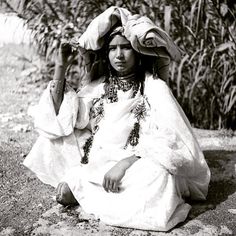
point(121, 147)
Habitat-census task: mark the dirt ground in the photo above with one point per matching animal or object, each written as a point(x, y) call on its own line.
point(28, 206)
point(22, 197)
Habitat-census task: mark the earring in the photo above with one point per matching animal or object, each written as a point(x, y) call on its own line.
point(140, 62)
point(109, 70)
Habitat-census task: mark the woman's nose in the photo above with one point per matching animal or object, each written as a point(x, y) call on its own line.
point(119, 53)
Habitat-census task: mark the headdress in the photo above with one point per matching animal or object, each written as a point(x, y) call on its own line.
point(116, 30)
point(145, 37)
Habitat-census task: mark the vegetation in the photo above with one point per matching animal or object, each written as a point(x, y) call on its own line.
point(204, 82)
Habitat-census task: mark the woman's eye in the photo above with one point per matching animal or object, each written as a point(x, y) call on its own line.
point(127, 47)
point(112, 48)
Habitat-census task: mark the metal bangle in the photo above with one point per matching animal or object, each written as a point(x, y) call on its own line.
point(57, 85)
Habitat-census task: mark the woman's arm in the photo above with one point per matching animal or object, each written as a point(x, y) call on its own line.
point(64, 58)
point(113, 177)
point(58, 85)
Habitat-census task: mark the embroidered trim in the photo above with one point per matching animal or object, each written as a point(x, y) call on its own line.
point(97, 113)
point(133, 138)
point(140, 112)
point(87, 146)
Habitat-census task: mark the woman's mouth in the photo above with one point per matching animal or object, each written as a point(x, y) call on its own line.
point(120, 63)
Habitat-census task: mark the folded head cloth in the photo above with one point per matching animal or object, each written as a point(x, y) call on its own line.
point(144, 36)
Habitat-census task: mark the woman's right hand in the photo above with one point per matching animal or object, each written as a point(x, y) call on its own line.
point(65, 55)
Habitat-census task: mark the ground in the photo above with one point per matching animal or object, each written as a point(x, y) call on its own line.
point(28, 207)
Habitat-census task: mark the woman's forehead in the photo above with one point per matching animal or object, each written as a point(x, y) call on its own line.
point(119, 40)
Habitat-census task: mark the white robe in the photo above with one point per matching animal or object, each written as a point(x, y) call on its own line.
point(153, 189)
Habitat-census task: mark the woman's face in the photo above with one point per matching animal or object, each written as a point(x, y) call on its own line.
point(121, 55)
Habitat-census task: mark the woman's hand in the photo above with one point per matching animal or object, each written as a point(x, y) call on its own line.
point(113, 177)
point(65, 54)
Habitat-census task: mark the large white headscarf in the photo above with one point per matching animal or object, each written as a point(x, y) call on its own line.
point(144, 36)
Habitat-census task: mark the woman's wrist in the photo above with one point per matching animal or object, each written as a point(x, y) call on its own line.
point(60, 65)
point(60, 71)
point(127, 162)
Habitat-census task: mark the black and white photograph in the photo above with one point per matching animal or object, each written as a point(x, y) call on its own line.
point(117, 118)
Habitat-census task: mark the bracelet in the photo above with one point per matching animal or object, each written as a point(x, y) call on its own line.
point(57, 84)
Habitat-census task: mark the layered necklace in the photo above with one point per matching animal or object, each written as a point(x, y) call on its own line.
point(124, 84)
point(111, 88)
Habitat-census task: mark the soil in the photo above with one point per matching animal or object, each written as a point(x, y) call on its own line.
point(28, 206)
point(23, 198)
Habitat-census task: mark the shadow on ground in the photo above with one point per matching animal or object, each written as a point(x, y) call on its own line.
point(223, 178)
point(219, 208)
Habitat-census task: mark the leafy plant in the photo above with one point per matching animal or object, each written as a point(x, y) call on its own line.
point(204, 82)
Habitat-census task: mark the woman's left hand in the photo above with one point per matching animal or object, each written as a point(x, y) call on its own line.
point(113, 177)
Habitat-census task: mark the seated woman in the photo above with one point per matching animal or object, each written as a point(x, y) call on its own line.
point(121, 147)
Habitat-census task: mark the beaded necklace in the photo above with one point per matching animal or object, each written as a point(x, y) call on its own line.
point(97, 110)
point(118, 83)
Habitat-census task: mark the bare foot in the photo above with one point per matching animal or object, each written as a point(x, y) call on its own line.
point(64, 195)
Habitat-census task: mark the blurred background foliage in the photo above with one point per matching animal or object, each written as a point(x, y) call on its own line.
point(204, 82)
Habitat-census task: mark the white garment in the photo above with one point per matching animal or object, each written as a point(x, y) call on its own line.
point(171, 166)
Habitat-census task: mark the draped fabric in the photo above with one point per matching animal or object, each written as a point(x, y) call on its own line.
point(153, 189)
point(144, 36)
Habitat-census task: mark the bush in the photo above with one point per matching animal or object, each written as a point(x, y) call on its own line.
point(203, 82)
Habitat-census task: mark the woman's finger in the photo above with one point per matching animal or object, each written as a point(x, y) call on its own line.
point(105, 184)
point(109, 184)
point(114, 187)
point(72, 57)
